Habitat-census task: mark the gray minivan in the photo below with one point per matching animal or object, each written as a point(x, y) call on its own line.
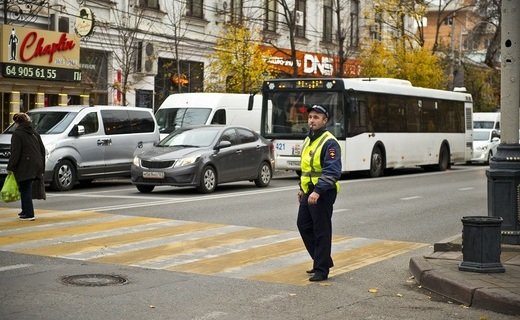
point(83, 143)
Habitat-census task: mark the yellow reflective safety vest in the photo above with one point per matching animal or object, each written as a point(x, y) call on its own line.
point(311, 161)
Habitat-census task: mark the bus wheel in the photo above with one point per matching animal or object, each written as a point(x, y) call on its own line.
point(444, 159)
point(376, 163)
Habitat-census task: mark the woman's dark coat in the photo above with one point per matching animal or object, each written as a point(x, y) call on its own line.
point(27, 159)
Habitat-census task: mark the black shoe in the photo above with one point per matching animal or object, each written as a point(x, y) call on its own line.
point(27, 218)
point(318, 277)
point(21, 214)
point(311, 271)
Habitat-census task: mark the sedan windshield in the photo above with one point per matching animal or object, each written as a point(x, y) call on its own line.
point(200, 137)
point(49, 122)
point(481, 135)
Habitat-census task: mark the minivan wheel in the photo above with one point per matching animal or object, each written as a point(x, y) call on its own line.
point(64, 176)
point(144, 188)
point(264, 175)
point(208, 180)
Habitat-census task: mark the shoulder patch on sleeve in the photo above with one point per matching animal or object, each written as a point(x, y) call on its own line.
point(332, 153)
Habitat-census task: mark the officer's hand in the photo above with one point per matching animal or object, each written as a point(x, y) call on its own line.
point(300, 196)
point(313, 198)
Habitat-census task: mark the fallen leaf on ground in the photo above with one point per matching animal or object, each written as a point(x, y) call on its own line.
point(372, 290)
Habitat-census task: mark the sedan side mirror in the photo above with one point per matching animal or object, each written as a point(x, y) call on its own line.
point(223, 144)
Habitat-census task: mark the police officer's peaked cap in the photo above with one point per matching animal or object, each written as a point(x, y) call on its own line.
point(319, 109)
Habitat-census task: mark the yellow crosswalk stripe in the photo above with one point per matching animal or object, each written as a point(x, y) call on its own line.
point(74, 230)
point(15, 223)
point(184, 247)
point(90, 245)
point(344, 261)
point(276, 256)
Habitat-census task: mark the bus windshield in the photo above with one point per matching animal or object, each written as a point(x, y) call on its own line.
point(286, 115)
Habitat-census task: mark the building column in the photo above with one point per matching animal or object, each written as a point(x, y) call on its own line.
point(40, 100)
point(14, 105)
point(63, 99)
point(85, 99)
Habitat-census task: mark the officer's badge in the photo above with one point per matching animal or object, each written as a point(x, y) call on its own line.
point(332, 153)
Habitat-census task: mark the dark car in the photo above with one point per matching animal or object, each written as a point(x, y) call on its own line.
point(204, 156)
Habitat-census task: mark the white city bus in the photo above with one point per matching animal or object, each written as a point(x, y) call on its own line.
point(380, 123)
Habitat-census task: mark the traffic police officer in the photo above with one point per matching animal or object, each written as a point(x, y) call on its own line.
point(320, 171)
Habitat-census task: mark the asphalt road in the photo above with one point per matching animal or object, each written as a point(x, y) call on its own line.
point(234, 254)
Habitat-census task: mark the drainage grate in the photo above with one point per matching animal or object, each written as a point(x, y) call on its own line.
point(94, 280)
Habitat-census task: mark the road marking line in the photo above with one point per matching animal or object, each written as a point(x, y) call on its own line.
point(14, 267)
point(410, 198)
point(466, 189)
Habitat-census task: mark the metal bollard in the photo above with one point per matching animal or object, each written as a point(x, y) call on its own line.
point(481, 244)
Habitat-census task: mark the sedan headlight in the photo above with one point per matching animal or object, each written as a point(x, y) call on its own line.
point(186, 161)
point(137, 161)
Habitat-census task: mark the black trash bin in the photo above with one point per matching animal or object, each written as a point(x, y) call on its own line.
point(481, 244)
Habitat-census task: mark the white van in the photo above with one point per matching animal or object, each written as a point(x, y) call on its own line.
point(83, 143)
point(182, 109)
point(487, 120)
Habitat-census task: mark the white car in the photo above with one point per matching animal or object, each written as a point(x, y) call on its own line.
point(485, 143)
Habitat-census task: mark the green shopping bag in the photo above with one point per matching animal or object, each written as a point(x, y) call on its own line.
point(10, 190)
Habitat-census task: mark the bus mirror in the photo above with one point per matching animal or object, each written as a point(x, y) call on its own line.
point(251, 101)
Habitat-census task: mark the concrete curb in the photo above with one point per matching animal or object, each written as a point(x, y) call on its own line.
point(442, 277)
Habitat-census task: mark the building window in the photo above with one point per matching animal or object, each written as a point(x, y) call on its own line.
point(149, 4)
point(270, 15)
point(354, 24)
point(237, 12)
point(194, 8)
point(327, 20)
point(299, 18)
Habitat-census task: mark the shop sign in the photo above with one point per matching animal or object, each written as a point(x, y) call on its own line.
point(309, 64)
point(39, 54)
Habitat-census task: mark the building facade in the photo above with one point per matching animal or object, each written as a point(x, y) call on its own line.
point(137, 52)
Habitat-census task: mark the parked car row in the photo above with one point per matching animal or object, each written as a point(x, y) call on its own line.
point(84, 143)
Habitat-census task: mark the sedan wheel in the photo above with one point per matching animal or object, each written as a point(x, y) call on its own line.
point(264, 175)
point(144, 188)
point(208, 180)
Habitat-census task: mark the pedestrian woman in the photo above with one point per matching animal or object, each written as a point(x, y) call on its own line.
point(321, 169)
point(27, 161)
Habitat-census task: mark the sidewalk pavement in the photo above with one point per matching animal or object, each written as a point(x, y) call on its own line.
point(439, 272)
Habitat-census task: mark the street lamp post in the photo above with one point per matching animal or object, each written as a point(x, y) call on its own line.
point(504, 169)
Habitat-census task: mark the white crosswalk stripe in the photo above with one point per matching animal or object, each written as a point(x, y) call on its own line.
point(184, 246)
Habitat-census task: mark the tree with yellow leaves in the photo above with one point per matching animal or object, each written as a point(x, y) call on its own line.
point(238, 63)
point(417, 65)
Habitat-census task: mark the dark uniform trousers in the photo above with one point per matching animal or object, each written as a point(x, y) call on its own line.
point(315, 225)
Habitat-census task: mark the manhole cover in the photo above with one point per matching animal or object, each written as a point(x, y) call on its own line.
point(94, 280)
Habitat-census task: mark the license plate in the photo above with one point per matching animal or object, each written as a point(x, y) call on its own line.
point(293, 163)
point(153, 175)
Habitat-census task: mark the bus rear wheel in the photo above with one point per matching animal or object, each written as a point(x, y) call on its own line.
point(444, 159)
point(377, 163)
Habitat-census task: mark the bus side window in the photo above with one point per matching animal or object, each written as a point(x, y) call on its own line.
point(412, 115)
point(219, 117)
point(357, 121)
